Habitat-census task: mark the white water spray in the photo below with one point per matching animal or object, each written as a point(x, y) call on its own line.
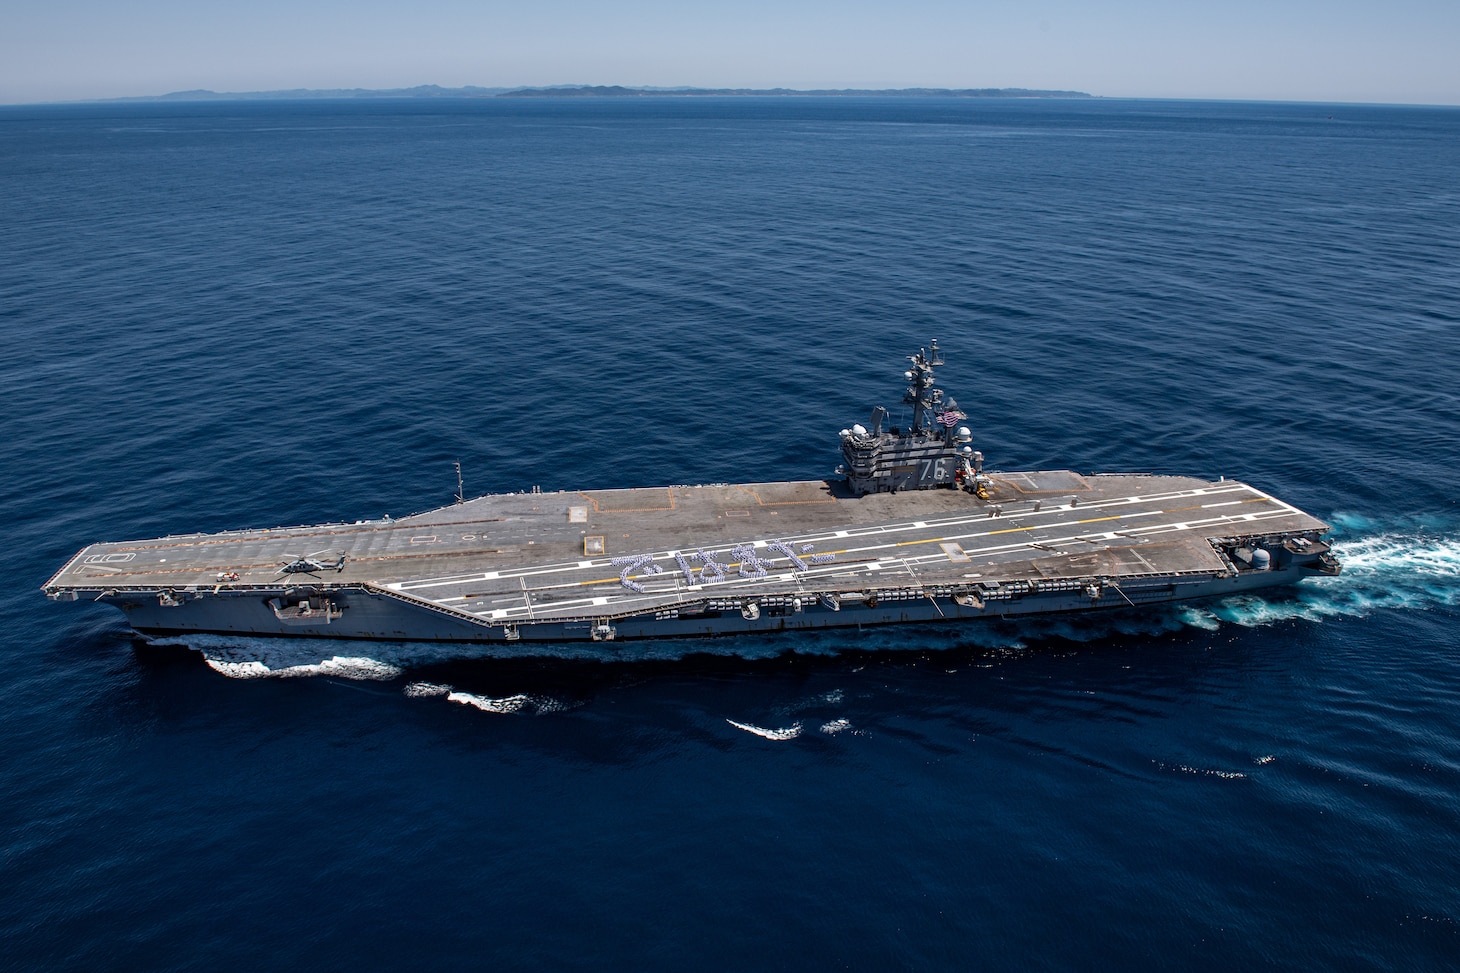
point(1388, 570)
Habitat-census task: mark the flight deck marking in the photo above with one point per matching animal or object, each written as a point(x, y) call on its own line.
point(963, 519)
point(875, 566)
point(654, 597)
point(1233, 487)
point(109, 558)
point(630, 510)
point(778, 503)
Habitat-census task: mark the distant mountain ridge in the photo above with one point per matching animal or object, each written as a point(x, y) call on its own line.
point(618, 91)
point(419, 91)
point(594, 91)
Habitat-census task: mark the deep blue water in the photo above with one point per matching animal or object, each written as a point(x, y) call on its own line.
point(255, 314)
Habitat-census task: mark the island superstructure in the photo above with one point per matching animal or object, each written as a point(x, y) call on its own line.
point(912, 529)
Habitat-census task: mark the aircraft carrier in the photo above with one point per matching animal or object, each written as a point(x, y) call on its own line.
point(912, 529)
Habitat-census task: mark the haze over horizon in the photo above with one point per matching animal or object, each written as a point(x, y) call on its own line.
point(1298, 50)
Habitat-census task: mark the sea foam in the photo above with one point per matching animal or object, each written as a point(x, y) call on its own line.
point(786, 733)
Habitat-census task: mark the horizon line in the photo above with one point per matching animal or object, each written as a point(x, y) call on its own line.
point(431, 91)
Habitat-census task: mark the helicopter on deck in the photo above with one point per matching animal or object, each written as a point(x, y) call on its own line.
point(311, 565)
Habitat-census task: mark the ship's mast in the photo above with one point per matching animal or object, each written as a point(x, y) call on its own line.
point(921, 394)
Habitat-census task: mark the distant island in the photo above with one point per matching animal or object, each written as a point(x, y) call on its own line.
point(419, 91)
point(617, 91)
point(597, 91)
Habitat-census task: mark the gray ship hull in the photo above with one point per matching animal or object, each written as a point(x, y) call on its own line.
point(693, 561)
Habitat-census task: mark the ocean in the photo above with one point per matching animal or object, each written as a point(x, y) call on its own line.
point(254, 314)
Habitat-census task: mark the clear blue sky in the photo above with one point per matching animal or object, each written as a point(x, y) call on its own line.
point(1312, 50)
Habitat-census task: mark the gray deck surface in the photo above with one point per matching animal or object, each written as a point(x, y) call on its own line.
point(521, 557)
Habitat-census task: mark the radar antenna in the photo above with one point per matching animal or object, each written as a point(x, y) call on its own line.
point(921, 394)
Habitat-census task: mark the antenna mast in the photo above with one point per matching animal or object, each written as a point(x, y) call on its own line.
point(921, 394)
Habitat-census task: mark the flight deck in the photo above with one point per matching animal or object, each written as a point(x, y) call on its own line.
point(512, 560)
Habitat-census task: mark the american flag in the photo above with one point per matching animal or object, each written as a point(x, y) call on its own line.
point(950, 418)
